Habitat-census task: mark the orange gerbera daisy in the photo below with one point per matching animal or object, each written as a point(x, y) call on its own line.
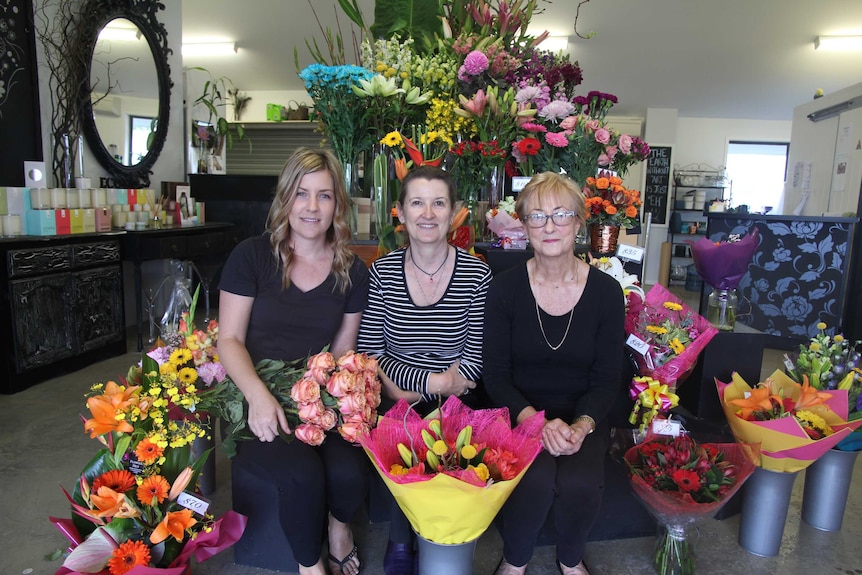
point(148, 451)
point(128, 555)
point(119, 480)
point(154, 486)
point(174, 524)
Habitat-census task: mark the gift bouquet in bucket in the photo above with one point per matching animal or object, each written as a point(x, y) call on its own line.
point(451, 472)
point(681, 481)
point(504, 223)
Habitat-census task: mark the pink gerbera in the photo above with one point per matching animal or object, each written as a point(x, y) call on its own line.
point(557, 139)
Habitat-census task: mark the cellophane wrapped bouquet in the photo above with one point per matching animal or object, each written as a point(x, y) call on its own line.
point(681, 481)
point(793, 423)
point(451, 472)
point(134, 506)
point(665, 336)
point(832, 363)
point(504, 223)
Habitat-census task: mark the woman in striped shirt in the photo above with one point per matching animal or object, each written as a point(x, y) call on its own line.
point(424, 319)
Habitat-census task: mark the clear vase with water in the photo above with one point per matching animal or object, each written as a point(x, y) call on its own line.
point(179, 304)
point(721, 308)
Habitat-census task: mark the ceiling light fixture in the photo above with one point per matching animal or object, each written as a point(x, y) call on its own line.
point(120, 34)
point(555, 44)
point(838, 43)
point(209, 49)
point(835, 110)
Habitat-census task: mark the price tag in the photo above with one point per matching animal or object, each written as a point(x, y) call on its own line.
point(518, 183)
point(637, 344)
point(197, 504)
point(788, 364)
point(630, 253)
point(135, 467)
point(666, 427)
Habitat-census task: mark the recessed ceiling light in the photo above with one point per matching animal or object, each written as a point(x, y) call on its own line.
point(838, 43)
point(209, 49)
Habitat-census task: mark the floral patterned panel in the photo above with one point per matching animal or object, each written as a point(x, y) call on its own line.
point(798, 275)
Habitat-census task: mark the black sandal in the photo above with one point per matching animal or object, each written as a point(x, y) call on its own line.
point(341, 563)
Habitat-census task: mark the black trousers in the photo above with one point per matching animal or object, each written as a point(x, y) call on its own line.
point(310, 480)
point(570, 487)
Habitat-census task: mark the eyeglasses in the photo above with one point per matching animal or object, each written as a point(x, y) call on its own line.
point(561, 218)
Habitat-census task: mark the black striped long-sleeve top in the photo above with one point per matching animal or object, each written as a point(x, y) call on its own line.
point(409, 341)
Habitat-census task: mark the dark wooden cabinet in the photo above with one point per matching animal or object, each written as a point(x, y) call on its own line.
point(63, 306)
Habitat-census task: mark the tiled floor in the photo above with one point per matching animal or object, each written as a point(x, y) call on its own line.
point(42, 446)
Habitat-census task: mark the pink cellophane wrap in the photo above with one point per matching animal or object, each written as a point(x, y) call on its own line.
point(722, 266)
point(452, 507)
point(226, 531)
point(510, 231)
point(680, 365)
point(676, 508)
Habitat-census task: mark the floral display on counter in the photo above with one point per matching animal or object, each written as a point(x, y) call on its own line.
point(794, 423)
point(609, 203)
point(504, 223)
point(458, 462)
point(681, 481)
point(665, 336)
point(319, 395)
point(134, 504)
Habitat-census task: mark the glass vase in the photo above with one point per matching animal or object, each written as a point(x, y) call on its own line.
point(674, 554)
point(721, 308)
point(381, 189)
point(180, 303)
point(351, 183)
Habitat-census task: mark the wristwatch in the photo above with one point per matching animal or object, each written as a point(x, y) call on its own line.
point(589, 420)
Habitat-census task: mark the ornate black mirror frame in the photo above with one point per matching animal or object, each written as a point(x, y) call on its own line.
point(143, 14)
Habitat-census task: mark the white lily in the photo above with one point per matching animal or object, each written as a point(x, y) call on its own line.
point(614, 268)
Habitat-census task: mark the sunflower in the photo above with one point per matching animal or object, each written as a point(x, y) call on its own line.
point(119, 480)
point(153, 487)
point(127, 556)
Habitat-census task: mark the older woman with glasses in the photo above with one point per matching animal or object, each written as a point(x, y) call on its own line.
point(553, 342)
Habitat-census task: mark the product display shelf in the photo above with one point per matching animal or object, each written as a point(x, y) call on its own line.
point(695, 189)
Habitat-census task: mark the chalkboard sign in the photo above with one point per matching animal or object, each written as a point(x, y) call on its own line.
point(657, 183)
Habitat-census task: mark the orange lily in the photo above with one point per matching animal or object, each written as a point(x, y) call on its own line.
point(400, 169)
point(174, 524)
point(759, 400)
point(105, 408)
point(112, 504)
point(180, 483)
point(459, 219)
point(810, 396)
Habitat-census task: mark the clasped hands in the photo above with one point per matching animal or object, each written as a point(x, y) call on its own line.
point(449, 382)
point(560, 438)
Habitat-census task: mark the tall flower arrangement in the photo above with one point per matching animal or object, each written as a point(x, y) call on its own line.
point(133, 505)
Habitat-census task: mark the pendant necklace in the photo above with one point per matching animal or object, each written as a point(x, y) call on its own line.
point(429, 300)
point(568, 325)
point(431, 274)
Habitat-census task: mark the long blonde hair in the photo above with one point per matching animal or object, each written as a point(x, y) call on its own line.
point(306, 161)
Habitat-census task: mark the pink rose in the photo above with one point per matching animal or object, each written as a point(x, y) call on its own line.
point(351, 431)
point(569, 123)
point(603, 136)
point(310, 434)
point(323, 360)
point(372, 399)
point(327, 420)
point(352, 362)
point(342, 383)
point(625, 143)
point(351, 404)
point(310, 412)
point(592, 125)
point(611, 151)
point(317, 374)
point(603, 160)
point(305, 390)
point(371, 364)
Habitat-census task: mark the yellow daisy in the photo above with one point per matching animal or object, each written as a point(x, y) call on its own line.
point(188, 375)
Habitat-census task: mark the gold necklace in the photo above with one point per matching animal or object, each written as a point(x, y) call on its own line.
point(568, 325)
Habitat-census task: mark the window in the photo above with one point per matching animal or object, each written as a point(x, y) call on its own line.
point(140, 128)
point(758, 171)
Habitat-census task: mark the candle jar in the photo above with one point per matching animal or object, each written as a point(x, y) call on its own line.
point(721, 308)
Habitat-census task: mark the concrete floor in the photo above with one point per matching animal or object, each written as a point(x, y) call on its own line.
point(43, 446)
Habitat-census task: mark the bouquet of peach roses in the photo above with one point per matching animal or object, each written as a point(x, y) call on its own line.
point(319, 395)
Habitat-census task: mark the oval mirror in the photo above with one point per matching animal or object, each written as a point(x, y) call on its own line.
point(127, 101)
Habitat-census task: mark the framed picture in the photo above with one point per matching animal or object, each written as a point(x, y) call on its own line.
point(184, 212)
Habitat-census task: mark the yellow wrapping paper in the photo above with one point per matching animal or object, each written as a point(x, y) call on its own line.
point(466, 514)
point(785, 446)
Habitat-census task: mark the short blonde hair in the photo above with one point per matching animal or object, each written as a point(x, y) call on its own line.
point(551, 185)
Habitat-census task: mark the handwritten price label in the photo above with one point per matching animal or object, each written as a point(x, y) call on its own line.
point(630, 253)
point(666, 427)
point(197, 504)
point(638, 345)
point(518, 183)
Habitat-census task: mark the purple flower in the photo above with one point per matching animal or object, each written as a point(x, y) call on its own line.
point(211, 371)
point(160, 354)
point(557, 139)
point(528, 94)
point(475, 63)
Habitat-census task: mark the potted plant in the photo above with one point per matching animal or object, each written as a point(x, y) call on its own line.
point(211, 134)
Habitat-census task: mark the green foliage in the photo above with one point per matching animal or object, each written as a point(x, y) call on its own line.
point(417, 19)
point(215, 95)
